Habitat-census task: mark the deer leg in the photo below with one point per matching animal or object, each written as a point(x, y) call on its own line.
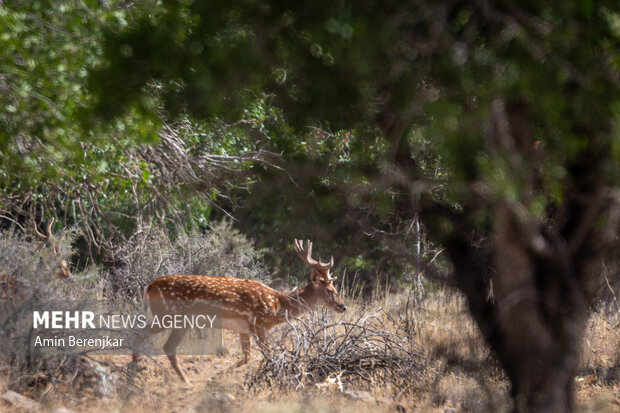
point(135, 356)
point(246, 347)
point(260, 335)
point(171, 347)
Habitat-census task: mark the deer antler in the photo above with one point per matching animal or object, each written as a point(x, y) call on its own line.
point(305, 253)
point(39, 234)
point(49, 228)
point(48, 239)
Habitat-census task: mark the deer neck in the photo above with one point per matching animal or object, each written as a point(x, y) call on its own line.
point(299, 301)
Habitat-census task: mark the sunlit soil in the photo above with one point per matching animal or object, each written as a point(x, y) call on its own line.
point(459, 374)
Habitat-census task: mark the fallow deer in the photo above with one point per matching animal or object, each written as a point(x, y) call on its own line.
point(249, 307)
point(50, 241)
point(12, 288)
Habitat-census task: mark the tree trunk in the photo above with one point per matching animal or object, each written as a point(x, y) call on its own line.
point(540, 312)
point(535, 316)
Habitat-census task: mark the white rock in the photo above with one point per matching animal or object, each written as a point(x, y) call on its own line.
point(363, 396)
point(17, 400)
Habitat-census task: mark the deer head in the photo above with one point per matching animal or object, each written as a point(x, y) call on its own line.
point(321, 280)
point(50, 241)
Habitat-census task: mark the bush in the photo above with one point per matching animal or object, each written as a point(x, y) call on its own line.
point(36, 266)
point(221, 250)
point(318, 351)
point(33, 268)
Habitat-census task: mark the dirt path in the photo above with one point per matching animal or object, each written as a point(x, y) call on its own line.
point(215, 381)
point(217, 386)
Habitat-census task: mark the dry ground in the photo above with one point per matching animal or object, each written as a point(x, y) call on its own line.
point(459, 375)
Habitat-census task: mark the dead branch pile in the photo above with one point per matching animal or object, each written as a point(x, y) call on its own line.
point(317, 352)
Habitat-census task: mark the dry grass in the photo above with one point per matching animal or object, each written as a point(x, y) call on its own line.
point(602, 341)
point(429, 353)
point(439, 363)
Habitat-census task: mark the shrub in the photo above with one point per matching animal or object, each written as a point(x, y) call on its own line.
point(221, 250)
point(36, 265)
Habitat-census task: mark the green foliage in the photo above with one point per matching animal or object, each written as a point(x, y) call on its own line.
point(496, 123)
point(475, 59)
point(370, 107)
point(48, 158)
point(56, 159)
point(46, 51)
